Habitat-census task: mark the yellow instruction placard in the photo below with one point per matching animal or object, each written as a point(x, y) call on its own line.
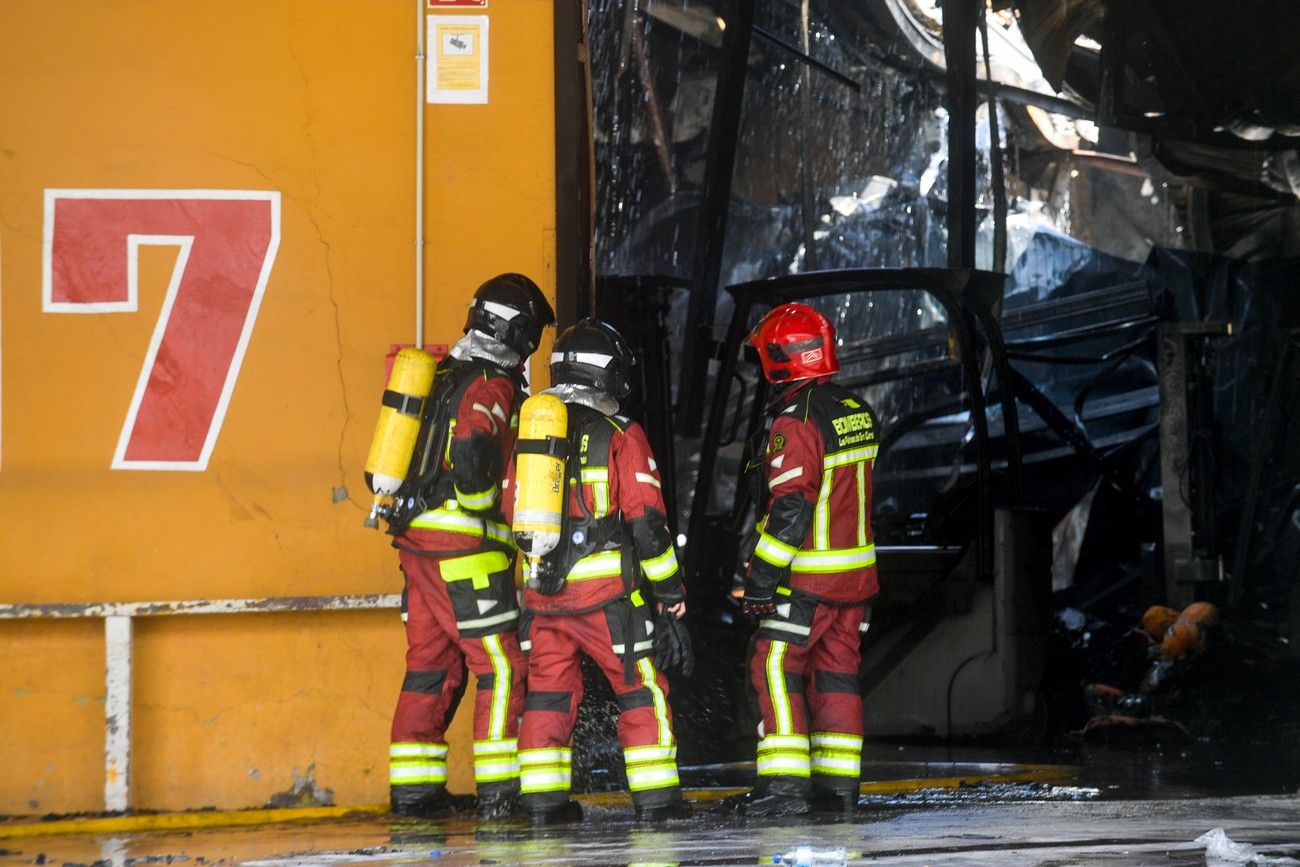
point(457, 59)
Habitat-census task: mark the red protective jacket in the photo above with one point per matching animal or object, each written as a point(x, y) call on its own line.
point(815, 533)
point(618, 481)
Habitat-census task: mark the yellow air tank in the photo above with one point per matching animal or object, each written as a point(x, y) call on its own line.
point(399, 425)
point(539, 475)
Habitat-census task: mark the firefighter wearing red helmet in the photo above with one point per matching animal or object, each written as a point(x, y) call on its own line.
point(812, 571)
point(588, 596)
point(460, 602)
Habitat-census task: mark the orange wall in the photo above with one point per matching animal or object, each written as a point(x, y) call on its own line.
point(315, 101)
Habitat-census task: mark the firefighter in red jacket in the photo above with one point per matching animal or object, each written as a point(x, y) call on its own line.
point(812, 571)
point(589, 597)
point(460, 602)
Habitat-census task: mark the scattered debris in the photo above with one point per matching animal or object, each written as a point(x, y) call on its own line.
point(1152, 657)
point(1221, 851)
point(304, 792)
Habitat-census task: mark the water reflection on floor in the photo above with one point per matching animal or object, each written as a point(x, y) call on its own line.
point(971, 832)
point(920, 804)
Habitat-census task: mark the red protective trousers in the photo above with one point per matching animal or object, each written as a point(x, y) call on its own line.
point(811, 702)
point(645, 724)
point(436, 658)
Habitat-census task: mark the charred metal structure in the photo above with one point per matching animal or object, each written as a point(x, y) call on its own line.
point(1056, 238)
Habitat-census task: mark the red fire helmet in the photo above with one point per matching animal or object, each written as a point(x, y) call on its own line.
point(795, 342)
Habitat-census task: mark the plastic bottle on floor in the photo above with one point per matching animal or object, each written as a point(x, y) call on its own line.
point(810, 856)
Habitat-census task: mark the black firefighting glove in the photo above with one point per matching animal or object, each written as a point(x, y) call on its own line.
point(760, 587)
point(757, 604)
point(673, 645)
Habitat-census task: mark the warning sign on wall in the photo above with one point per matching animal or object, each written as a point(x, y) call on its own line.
point(458, 59)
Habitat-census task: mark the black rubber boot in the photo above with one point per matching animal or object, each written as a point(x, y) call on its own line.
point(496, 804)
point(662, 810)
point(569, 811)
point(829, 801)
point(775, 797)
point(557, 814)
point(424, 801)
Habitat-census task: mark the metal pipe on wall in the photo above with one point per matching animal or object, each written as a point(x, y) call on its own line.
point(419, 173)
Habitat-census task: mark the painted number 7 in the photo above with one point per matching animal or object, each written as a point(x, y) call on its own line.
point(227, 241)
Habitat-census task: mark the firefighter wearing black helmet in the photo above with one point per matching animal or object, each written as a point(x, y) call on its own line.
point(460, 602)
point(590, 597)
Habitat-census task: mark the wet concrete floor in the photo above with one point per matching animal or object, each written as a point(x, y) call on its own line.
point(959, 831)
point(920, 805)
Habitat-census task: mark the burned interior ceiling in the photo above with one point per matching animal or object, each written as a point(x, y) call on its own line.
point(1215, 87)
point(1183, 70)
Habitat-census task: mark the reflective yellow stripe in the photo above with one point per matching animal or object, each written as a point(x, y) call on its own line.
point(788, 475)
point(501, 675)
point(603, 565)
point(545, 770)
point(412, 764)
point(862, 504)
point(598, 478)
point(496, 760)
point(834, 741)
point(410, 749)
point(838, 755)
point(650, 767)
point(659, 776)
point(414, 775)
point(655, 753)
point(834, 559)
point(783, 755)
point(544, 781)
point(479, 500)
point(776, 688)
point(453, 520)
point(784, 626)
point(546, 755)
point(496, 747)
point(850, 456)
point(475, 568)
point(662, 567)
point(821, 516)
point(772, 550)
point(784, 742)
point(836, 766)
point(496, 771)
point(784, 765)
point(647, 669)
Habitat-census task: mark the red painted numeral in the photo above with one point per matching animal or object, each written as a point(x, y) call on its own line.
point(227, 242)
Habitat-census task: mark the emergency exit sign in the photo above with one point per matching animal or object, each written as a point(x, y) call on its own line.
point(448, 4)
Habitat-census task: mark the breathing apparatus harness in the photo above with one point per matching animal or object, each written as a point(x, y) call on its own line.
point(427, 482)
point(588, 445)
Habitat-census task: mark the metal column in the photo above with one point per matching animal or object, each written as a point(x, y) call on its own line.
point(711, 231)
point(1184, 554)
point(960, 23)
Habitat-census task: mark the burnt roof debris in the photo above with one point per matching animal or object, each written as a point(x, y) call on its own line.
point(1193, 69)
